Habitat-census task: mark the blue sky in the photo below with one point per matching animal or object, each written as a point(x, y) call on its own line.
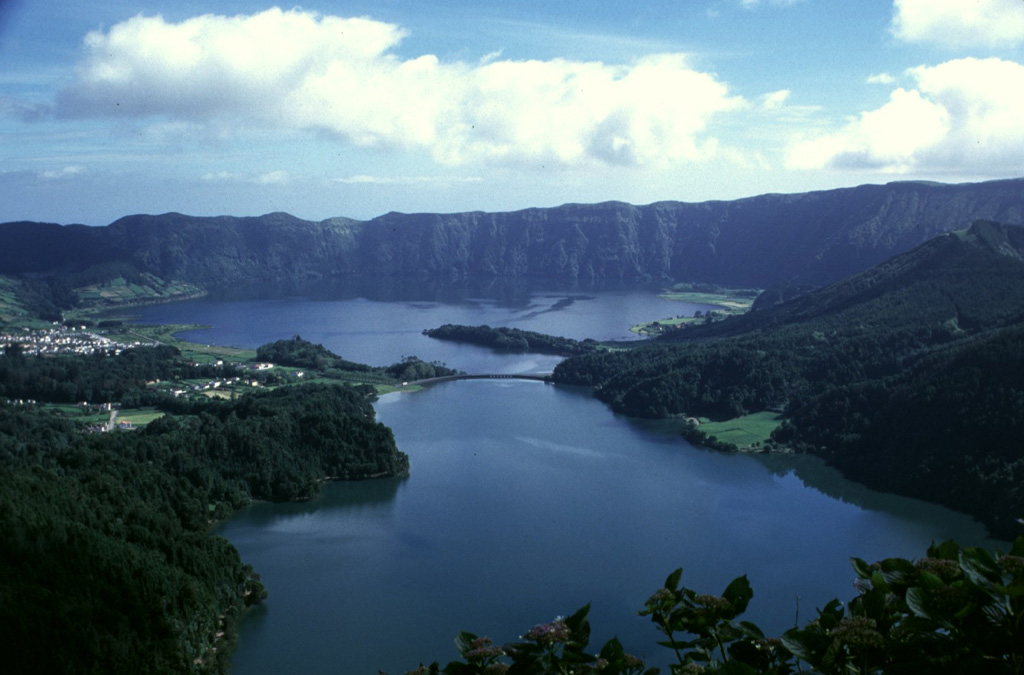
point(359, 108)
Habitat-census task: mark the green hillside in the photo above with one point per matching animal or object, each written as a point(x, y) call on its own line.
point(907, 376)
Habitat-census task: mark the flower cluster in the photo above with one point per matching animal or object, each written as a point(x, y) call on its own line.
point(1012, 564)
point(482, 649)
point(943, 568)
point(858, 631)
point(948, 599)
point(712, 601)
point(549, 633)
point(662, 601)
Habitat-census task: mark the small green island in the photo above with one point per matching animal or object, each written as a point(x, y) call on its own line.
point(725, 302)
point(505, 339)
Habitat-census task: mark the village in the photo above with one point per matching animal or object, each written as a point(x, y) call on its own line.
point(60, 339)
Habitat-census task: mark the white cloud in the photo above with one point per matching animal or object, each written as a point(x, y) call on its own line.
point(881, 78)
point(269, 178)
point(273, 178)
point(775, 99)
point(963, 115)
point(66, 172)
point(956, 23)
point(221, 177)
point(299, 70)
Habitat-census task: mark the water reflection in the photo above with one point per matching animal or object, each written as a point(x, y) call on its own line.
point(815, 473)
point(350, 496)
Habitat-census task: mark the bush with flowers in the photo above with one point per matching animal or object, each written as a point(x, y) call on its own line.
point(957, 610)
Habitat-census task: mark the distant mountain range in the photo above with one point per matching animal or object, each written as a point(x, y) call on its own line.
point(811, 239)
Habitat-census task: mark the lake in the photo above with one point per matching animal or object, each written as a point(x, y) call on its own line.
point(525, 500)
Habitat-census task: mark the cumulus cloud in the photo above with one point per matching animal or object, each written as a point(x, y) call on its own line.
point(775, 99)
point(881, 78)
point(957, 23)
point(300, 70)
point(963, 114)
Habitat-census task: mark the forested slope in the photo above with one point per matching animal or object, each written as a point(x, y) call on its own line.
point(106, 562)
point(859, 368)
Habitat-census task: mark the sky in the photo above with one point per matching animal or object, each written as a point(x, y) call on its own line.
point(110, 107)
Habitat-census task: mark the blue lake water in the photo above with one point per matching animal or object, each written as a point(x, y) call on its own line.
point(525, 500)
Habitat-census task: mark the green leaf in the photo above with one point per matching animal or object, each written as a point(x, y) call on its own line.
point(739, 593)
point(672, 581)
point(580, 626)
point(917, 624)
point(736, 668)
point(898, 571)
point(862, 569)
point(948, 550)
point(1016, 589)
point(878, 581)
point(751, 630)
point(916, 599)
point(464, 641)
point(804, 644)
point(995, 614)
point(874, 604)
point(832, 614)
point(612, 650)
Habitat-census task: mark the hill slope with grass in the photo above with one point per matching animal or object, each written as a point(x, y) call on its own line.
point(908, 377)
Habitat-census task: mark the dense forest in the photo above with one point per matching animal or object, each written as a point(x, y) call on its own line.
point(106, 562)
point(908, 376)
point(505, 339)
point(767, 241)
point(98, 378)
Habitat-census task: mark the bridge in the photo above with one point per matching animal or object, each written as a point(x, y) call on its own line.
point(538, 377)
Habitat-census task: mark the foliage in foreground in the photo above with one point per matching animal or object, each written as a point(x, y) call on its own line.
point(958, 611)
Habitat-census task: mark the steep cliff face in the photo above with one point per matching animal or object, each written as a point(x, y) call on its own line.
point(811, 238)
point(606, 241)
point(276, 246)
point(821, 237)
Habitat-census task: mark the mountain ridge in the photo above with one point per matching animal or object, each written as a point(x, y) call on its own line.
point(812, 238)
